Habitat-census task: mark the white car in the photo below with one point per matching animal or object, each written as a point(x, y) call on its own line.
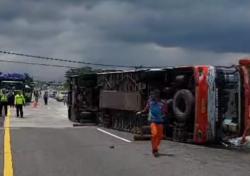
point(52, 93)
point(61, 95)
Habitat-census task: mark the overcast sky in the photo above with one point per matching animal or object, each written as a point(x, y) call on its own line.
point(131, 32)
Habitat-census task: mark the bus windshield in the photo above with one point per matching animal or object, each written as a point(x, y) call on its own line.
point(14, 85)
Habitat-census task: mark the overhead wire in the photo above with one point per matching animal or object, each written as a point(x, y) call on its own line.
point(40, 64)
point(70, 60)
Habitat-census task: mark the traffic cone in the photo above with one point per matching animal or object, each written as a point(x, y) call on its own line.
point(34, 104)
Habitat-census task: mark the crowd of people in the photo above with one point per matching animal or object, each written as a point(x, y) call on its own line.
point(11, 99)
point(16, 99)
point(38, 94)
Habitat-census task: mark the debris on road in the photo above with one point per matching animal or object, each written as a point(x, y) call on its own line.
point(237, 143)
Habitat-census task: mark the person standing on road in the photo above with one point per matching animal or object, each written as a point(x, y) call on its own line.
point(11, 98)
point(19, 102)
point(40, 93)
point(4, 101)
point(65, 99)
point(45, 97)
point(36, 95)
point(157, 112)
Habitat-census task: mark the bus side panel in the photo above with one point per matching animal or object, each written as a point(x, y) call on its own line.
point(212, 109)
point(246, 97)
point(201, 104)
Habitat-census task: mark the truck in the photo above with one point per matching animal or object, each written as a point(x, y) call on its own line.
point(206, 104)
point(17, 82)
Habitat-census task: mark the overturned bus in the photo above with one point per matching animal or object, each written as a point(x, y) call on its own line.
point(205, 103)
point(83, 98)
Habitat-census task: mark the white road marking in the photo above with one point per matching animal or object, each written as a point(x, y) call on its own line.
point(115, 136)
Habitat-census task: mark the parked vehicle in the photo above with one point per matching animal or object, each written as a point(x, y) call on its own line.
point(18, 82)
point(52, 93)
point(60, 96)
point(206, 103)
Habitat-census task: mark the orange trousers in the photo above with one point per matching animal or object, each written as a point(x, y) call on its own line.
point(156, 135)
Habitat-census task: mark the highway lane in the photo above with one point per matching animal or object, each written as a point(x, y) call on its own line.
point(52, 116)
point(86, 151)
point(45, 143)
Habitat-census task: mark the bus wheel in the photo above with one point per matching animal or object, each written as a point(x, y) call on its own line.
point(182, 104)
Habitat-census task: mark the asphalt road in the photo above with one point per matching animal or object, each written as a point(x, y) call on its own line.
point(45, 143)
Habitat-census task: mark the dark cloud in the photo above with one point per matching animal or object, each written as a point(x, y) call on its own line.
point(218, 26)
point(159, 32)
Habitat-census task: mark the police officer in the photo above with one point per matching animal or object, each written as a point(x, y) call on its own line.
point(4, 102)
point(19, 102)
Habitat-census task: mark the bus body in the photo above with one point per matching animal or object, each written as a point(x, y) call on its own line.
point(244, 66)
point(205, 103)
point(83, 97)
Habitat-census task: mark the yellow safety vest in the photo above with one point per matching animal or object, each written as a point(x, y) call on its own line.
point(19, 100)
point(4, 98)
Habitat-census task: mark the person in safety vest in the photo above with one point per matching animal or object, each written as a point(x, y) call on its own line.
point(157, 112)
point(19, 102)
point(4, 102)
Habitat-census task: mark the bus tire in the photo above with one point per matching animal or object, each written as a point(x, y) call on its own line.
point(183, 104)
